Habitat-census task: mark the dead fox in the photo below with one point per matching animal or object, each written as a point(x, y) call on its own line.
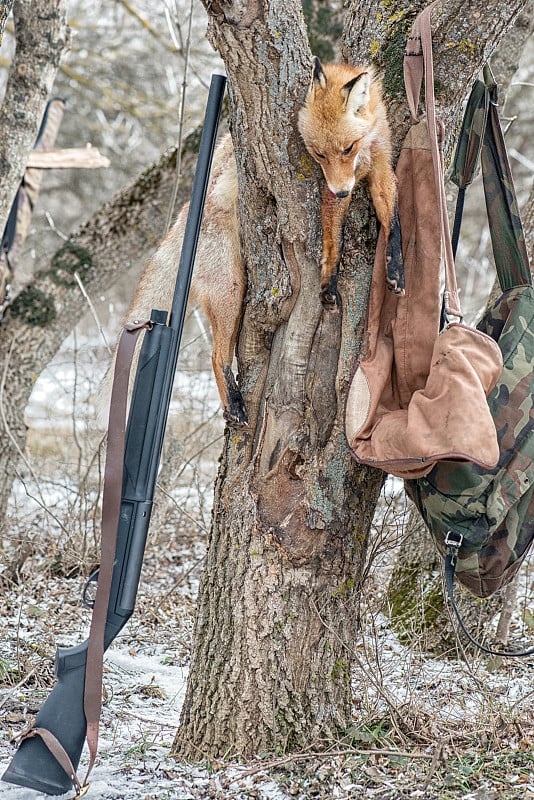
point(218, 283)
point(344, 127)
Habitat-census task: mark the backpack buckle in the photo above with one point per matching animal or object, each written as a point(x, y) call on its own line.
point(453, 542)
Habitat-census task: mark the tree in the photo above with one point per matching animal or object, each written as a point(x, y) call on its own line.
point(279, 597)
point(42, 38)
point(279, 600)
point(121, 233)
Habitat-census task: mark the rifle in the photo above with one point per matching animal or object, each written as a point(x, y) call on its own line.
point(49, 751)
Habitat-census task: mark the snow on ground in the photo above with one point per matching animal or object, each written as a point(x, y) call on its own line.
point(145, 677)
point(423, 727)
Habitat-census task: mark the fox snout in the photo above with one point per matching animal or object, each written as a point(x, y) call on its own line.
point(343, 123)
point(339, 173)
point(341, 191)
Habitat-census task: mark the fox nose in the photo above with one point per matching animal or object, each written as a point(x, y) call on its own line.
point(342, 194)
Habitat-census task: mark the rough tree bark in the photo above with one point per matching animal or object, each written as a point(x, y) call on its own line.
point(42, 37)
point(278, 600)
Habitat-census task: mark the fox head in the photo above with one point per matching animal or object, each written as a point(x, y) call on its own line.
point(334, 121)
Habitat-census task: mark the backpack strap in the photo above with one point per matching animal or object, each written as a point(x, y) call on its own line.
point(468, 148)
point(453, 542)
point(481, 141)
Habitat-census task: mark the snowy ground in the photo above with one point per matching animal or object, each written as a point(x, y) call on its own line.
point(424, 728)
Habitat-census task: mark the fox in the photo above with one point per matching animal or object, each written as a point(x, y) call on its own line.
point(218, 283)
point(344, 127)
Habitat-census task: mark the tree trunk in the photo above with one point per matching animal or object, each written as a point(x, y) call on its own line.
point(278, 604)
point(283, 560)
point(419, 611)
point(42, 37)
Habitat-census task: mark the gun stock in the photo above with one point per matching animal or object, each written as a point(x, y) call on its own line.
point(33, 765)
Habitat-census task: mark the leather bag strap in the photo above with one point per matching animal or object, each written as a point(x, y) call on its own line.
point(414, 64)
point(419, 63)
point(111, 504)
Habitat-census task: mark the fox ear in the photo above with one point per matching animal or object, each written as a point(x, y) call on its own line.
point(318, 76)
point(357, 92)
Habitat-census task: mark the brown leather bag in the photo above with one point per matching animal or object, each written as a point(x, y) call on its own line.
point(419, 395)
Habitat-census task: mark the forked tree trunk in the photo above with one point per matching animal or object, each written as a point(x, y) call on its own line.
point(278, 605)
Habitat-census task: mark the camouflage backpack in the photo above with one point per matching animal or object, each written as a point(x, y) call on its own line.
point(483, 519)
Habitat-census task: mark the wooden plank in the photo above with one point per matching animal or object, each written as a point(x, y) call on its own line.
point(77, 157)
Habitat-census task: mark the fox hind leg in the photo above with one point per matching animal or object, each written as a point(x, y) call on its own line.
point(224, 327)
point(235, 411)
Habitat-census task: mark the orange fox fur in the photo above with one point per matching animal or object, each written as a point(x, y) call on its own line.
point(218, 283)
point(344, 127)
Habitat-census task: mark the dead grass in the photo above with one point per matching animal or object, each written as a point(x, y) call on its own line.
point(423, 727)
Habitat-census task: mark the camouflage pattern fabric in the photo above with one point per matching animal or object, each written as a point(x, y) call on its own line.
point(493, 509)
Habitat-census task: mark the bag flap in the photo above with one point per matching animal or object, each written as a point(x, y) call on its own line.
point(447, 419)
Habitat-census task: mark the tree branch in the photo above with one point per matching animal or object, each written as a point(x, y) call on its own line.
point(5, 10)
point(122, 233)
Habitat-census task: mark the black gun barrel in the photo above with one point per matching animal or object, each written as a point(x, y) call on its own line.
point(62, 714)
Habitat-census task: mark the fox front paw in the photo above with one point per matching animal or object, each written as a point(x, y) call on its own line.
point(394, 260)
point(235, 412)
point(329, 296)
point(395, 273)
point(328, 299)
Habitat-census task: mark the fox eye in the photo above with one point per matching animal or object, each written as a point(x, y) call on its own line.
point(348, 149)
point(319, 155)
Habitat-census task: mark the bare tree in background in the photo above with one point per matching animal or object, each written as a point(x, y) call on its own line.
point(5, 10)
point(42, 38)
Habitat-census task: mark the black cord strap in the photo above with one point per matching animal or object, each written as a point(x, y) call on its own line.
point(453, 542)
